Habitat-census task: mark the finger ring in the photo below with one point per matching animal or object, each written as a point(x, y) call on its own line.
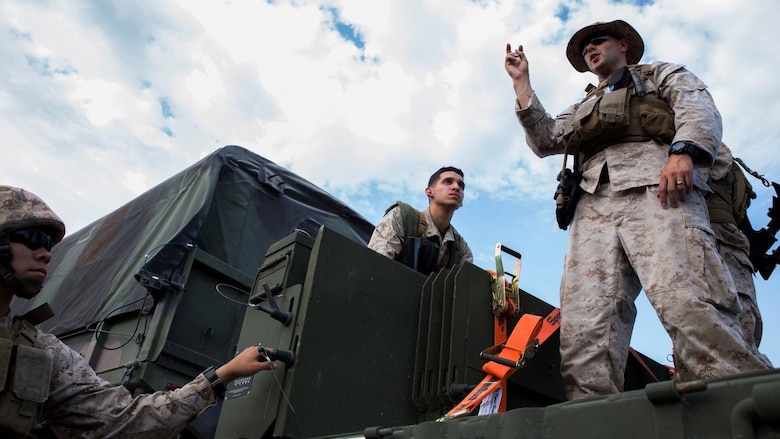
point(680, 182)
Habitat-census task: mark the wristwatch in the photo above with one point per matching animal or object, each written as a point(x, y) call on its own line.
point(684, 148)
point(216, 384)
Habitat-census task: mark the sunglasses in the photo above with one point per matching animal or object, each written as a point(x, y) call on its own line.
point(32, 238)
point(596, 41)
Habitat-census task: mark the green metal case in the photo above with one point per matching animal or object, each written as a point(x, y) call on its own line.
point(353, 332)
point(174, 337)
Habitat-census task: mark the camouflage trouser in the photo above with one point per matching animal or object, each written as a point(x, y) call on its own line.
point(622, 242)
point(734, 248)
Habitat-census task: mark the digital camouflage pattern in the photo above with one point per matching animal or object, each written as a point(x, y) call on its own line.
point(389, 235)
point(734, 249)
point(83, 405)
point(80, 404)
point(622, 241)
point(21, 209)
point(636, 164)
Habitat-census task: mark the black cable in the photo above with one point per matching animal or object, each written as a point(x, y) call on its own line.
point(99, 326)
point(286, 399)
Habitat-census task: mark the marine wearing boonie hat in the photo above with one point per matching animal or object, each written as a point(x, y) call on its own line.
point(618, 29)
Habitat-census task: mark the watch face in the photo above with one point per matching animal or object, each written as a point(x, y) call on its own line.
point(682, 148)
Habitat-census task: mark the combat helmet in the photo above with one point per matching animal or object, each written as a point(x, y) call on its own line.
point(21, 209)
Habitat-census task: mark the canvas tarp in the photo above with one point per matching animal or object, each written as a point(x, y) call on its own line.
point(233, 205)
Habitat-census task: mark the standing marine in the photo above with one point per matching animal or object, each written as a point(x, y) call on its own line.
point(643, 140)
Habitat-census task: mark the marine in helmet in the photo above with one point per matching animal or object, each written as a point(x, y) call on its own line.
point(46, 385)
point(27, 223)
point(644, 138)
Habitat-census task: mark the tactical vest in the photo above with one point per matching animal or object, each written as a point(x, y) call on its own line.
point(25, 374)
point(731, 197)
point(414, 229)
point(632, 113)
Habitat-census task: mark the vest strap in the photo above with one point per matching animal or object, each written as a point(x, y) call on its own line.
point(38, 315)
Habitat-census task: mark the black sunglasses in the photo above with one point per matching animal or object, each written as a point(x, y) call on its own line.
point(32, 238)
point(596, 41)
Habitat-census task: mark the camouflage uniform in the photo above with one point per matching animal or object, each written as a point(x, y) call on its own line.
point(389, 235)
point(79, 403)
point(734, 248)
point(622, 241)
point(83, 405)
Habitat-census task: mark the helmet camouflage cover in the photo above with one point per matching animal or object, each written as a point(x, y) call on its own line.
point(20, 209)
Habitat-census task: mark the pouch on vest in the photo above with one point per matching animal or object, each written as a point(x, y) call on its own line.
point(607, 113)
point(731, 197)
point(25, 387)
point(422, 255)
point(656, 119)
point(606, 110)
point(31, 382)
point(6, 350)
point(626, 114)
point(26, 375)
point(567, 194)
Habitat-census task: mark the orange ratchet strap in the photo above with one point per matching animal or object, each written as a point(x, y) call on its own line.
point(506, 297)
point(529, 333)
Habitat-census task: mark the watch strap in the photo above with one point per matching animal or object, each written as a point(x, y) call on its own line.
point(685, 148)
point(217, 385)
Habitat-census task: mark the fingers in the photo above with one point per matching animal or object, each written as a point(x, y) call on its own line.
point(683, 186)
point(672, 190)
point(514, 60)
point(667, 195)
point(676, 180)
point(516, 52)
point(268, 365)
point(265, 354)
point(247, 362)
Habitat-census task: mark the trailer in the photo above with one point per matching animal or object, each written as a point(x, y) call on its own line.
point(236, 251)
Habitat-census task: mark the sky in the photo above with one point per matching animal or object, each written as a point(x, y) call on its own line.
point(101, 101)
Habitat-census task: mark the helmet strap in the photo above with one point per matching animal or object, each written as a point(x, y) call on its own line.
point(20, 287)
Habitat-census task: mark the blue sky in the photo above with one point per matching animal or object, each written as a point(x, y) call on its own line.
point(100, 101)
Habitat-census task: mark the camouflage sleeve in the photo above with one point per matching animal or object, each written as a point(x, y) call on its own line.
point(541, 129)
point(723, 163)
point(389, 234)
point(696, 118)
point(465, 251)
point(81, 404)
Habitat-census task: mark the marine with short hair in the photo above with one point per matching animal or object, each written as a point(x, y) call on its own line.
point(426, 240)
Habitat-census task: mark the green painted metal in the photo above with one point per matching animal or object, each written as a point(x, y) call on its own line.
point(353, 331)
point(744, 406)
point(379, 347)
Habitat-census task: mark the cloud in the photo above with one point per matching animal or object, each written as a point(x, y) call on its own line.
point(101, 101)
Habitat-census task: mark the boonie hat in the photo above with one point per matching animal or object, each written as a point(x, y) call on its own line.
point(617, 28)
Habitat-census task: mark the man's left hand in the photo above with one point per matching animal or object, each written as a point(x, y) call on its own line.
point(676, 180)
